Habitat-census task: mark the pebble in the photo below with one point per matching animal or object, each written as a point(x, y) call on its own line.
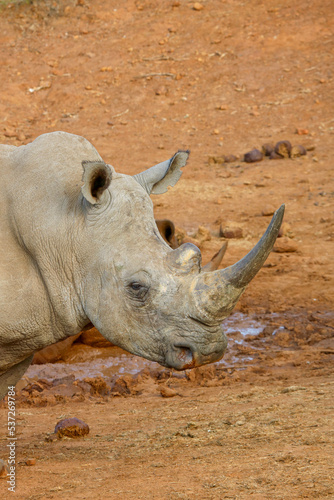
point(253, 156)
point(231, 232)
point(9, 133)
point(3, 468)
point(302, 131)
point(203, 234)
point(267, 148)
point(161, 90)
point(216, 159)
point(198, 6)
point(31, 461)
point(167, 392)
point(275, 156)
point(230, 158)
point(21, 137)
point(71, 427)
point(285, 245)
point(268, 210)
point(284, 229)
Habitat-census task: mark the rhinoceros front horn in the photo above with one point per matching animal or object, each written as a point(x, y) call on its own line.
point(216, 293)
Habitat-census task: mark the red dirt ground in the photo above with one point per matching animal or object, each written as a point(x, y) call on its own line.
point(140, 80)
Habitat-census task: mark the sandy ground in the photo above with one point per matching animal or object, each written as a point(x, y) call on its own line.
point(141, 80)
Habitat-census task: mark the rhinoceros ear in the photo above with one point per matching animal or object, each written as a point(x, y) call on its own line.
point(96, 177)
point(156, 179)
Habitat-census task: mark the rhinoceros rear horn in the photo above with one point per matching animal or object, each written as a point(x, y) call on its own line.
point(156, 179)
point(96, 177)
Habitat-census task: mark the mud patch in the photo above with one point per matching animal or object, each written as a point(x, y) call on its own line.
point(260, 348)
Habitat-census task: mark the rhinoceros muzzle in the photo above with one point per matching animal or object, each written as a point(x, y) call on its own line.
point(184, 355)
point(213, 295)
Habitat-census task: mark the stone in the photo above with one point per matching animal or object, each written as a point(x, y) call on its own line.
point(202, 234)
point(230, 158)
point(71, 427)
point(285, 245)
point(216, 159)
point(285, 230)
point(231, 232)
point(253, 156)
point(268, 210)
point(3, 469)
point(267, 148)
point(275, 156)
point(198, 6)
point(167, 392)
point(302, 131)
point(31, 461)
point(10, 133)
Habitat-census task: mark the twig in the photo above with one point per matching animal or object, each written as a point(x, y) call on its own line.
point(120, 114)
point(164, 58)
point(150, 75)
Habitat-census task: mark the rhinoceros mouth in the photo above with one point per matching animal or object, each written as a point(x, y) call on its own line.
point(182, 356)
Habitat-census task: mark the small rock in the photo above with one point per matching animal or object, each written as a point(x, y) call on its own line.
point(10, 133)
point(161, 91)
point(31, 461)
point(231, 232)
point(71, 427)
point(230, 158)
point(267, 148)
point(297, 151)
point(3, 468)
point(203, 234)
point(302, 131)
point(285, 245)
point(268, 210)
point(21, 137)
point(167, 392)
point(275, 156)
point(283, 148)
point(198, 6)
point(253, 156)
point(285, 229)
point(216, 159)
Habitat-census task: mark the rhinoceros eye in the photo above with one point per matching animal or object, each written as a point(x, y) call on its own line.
point(137, 290)
point(135, 286)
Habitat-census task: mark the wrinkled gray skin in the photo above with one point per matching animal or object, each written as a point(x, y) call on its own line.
point(72, 254)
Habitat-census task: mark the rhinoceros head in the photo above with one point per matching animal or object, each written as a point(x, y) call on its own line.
point(143, 296)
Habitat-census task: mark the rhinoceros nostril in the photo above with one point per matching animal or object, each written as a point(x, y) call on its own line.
point(184, 354)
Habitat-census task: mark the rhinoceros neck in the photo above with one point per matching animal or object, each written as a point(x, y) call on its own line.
point(39, 283)
point(39, 297)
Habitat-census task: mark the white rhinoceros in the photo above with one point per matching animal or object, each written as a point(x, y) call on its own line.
point(71, 254)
